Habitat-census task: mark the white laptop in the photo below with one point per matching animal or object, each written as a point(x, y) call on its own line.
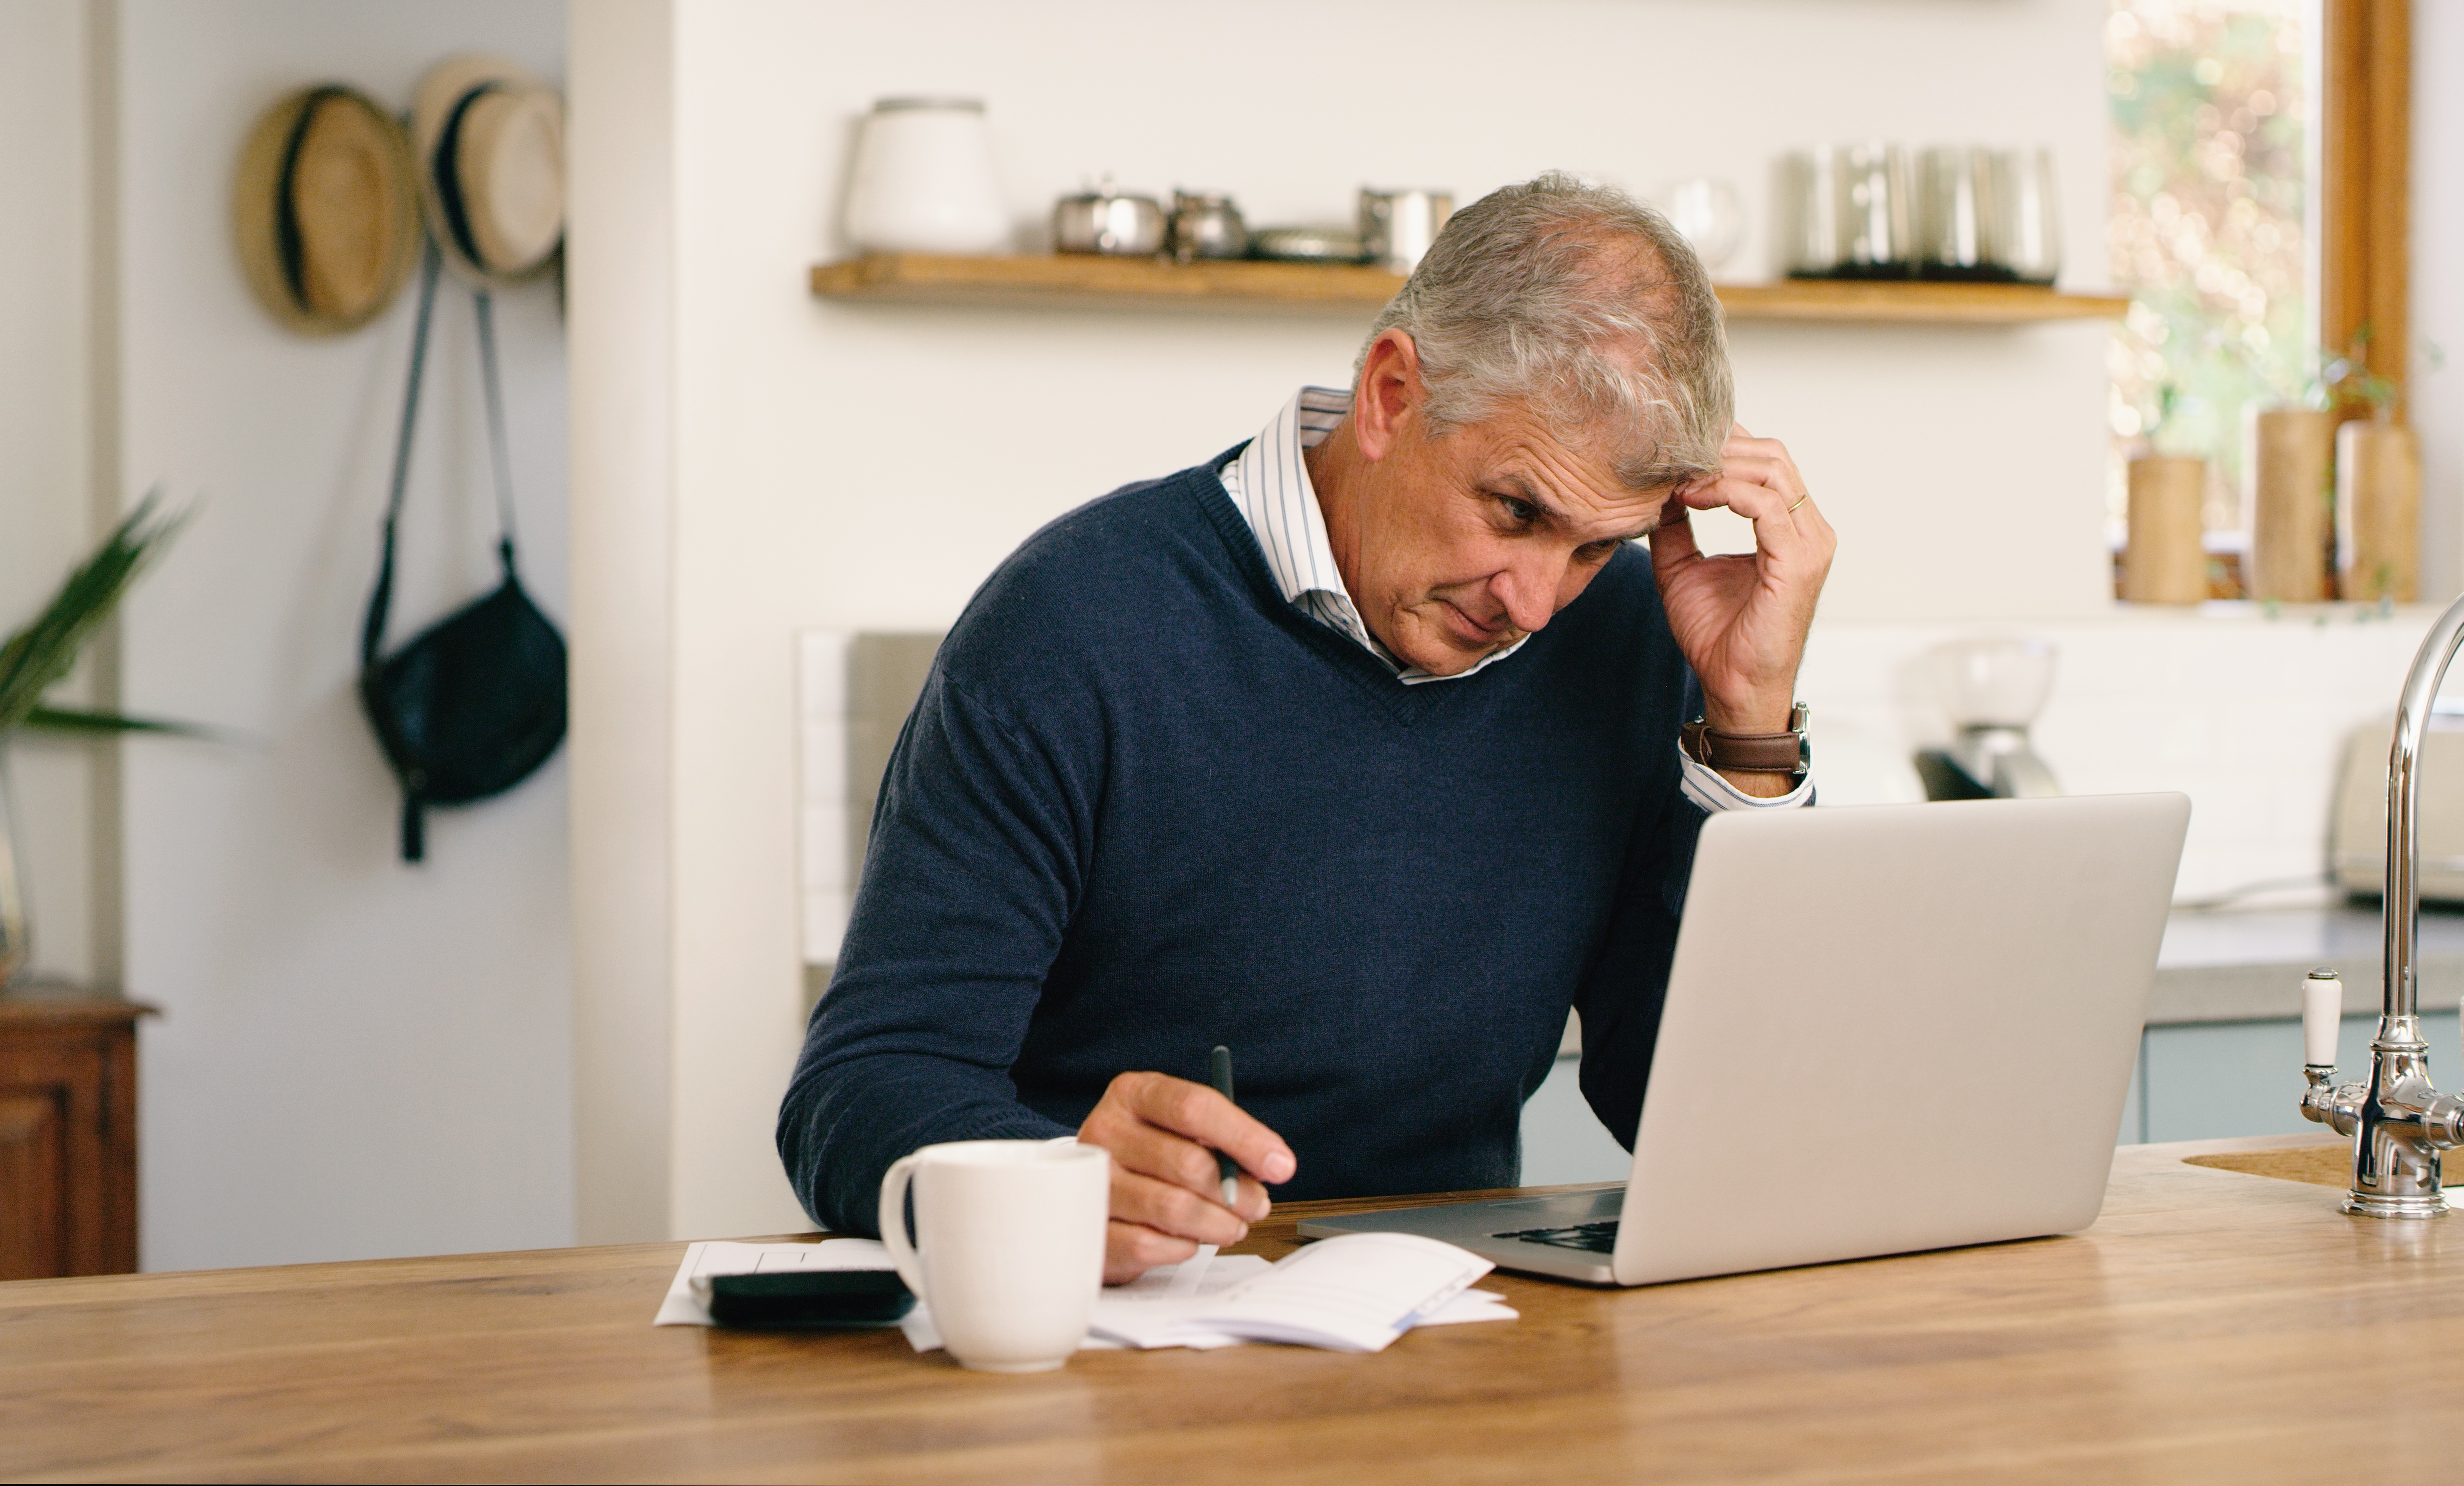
point(1888, 1029)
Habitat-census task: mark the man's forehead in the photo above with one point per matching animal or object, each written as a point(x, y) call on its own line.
point(1578, 478)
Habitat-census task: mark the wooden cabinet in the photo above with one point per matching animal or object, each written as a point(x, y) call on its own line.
point(68, 1133)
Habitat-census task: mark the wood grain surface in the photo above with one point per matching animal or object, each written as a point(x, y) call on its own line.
point(2213, 1326)
point(1086, 281)
point(2323, 1165)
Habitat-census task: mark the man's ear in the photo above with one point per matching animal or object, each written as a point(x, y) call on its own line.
point(1389, 395)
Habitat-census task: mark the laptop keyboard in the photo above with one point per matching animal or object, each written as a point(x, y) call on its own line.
point(1591, 1237)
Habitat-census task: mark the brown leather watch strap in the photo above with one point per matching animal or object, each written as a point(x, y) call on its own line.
point(1748, 752)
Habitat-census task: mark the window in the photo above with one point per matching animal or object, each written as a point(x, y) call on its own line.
point(2211, 228)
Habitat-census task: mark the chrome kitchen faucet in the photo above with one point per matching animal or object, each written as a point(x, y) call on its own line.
point(2398, 1119)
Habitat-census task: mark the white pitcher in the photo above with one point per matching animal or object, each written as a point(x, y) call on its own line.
point(924, 180)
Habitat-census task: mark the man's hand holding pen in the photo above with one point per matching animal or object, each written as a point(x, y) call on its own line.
point(1164, 1134)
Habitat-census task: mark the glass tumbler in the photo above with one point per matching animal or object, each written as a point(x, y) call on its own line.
point(1709, 216)
point(2026, 200)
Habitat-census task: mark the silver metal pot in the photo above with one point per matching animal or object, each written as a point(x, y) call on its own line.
point(1106, 222)
point(1206, 224)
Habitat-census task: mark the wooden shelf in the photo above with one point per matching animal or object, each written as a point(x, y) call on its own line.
point(1083, 281)
point(1914, 304)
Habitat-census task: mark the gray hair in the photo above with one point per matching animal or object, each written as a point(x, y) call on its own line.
point(1585, 305)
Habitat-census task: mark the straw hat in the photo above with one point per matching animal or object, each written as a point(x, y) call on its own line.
point(325, 208)
point(489, 138)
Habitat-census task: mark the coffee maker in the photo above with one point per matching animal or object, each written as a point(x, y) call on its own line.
point(1991, 688)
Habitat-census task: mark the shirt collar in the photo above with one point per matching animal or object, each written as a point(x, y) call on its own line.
point(1269, 484)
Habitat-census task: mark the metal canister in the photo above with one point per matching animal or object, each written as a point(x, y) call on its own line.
point(1102, 221)
point(1206, 224)
point(1397, 227)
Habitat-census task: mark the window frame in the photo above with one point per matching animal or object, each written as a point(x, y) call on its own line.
point(2365, 204)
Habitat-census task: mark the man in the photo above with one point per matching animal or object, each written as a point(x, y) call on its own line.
point(1310, 751)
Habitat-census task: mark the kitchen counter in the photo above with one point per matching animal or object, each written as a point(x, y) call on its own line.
point(2223, 965)
point(2212, 1325)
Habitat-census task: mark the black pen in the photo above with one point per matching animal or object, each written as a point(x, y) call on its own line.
point(1218, 1072)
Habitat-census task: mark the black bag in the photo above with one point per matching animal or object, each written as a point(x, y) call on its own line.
point(476, 703)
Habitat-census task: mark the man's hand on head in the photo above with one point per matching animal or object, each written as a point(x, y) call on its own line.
point(1741, 617)
point(1167, 1194)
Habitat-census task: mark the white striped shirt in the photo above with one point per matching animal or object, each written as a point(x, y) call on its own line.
point(1270, 486)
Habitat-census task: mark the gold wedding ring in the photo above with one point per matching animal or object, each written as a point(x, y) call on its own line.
point(1800, 501)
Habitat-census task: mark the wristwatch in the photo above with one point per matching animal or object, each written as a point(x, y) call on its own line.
point(1751, 753)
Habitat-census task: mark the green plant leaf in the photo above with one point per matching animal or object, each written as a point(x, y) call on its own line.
point(35, 659)
point(69, 719)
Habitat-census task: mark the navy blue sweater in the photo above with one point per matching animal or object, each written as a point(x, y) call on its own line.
point(1144, 806)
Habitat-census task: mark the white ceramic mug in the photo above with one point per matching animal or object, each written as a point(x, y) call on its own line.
point(1009, 1245)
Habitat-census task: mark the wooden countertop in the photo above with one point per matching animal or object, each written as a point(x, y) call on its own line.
point(2212, 1325)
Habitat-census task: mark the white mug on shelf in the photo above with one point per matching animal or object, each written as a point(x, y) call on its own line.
point(924, 180)
point(1008, 1254)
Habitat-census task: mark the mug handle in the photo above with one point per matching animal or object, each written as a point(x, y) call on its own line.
point(893, 1222)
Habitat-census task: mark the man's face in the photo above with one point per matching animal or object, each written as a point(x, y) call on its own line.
point(1473, 539)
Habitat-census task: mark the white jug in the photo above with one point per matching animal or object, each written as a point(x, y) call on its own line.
point(924, 180)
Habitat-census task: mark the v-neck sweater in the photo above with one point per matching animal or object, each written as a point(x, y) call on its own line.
point(1145, 805)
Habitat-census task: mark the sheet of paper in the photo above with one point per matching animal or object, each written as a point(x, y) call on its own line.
point(1126, 1313)
point(689, 1305)
point(1471, 1305)
point(1357, 1293)
point(1118, 1306)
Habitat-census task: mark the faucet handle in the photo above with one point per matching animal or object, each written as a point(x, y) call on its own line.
point(2323, 1013)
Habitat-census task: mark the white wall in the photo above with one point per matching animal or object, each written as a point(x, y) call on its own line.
point(46, 513)
point(356, 1056)
point(844, 467)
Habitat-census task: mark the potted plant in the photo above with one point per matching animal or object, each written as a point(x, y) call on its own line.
point(2378, 485)
point(38, 656)
point(2165, 558)
point(2289, 468)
